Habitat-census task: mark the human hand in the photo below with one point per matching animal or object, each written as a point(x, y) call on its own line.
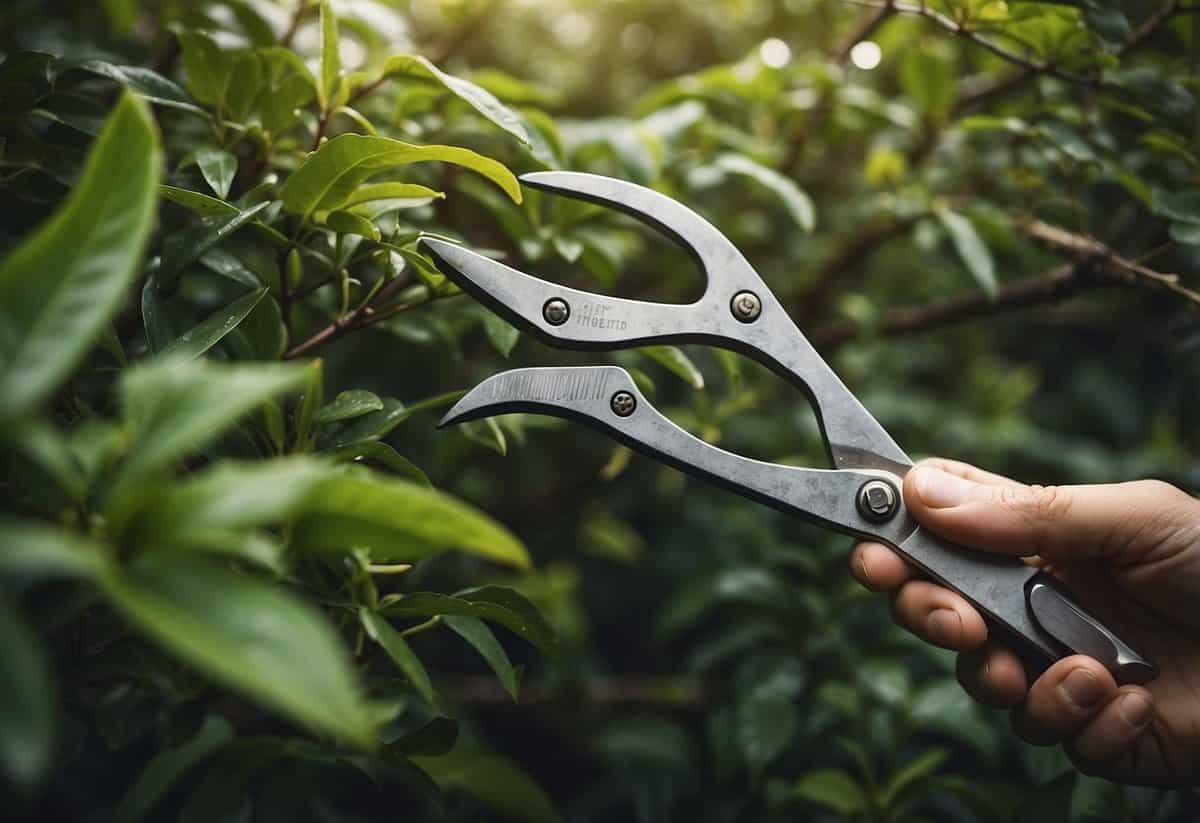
point(1129, 552)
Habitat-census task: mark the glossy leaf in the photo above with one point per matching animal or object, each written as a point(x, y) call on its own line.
point(348, 405)
point(798, 204)
point(399, 651)
point(497, 604)
point(971, 248)
point(390, 191)
point(173, 406)
point(203, 336)
point(329, 176)
point(33, 551)
point(397, 521)
point(476, 632)
point(199, 203)
point(676, 362)
point(494, 781)
point(218, 167)
point(384, 456)
point(248, 636)
point(477, 97)
point(346, 222)
point(59, 288)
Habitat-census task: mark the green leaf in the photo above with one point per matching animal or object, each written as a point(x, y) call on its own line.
point(678, 363)
point(391, 191)
point(206, 67)
point(218, 168)
point(28, 698)
point(929, 79)
point(398, 521)
point(202, 337)
point(886, 680)
point(917, 769)
point(346, 222)
point(201, 204)
point(1186, 233)
point(329, 176)
point(833, 788)
point(248, 636)
point(233, 496)
point(33, 551)
point(798, 204)
point(399, 651)
point(179, 251)
point(169, 767)
point(765, 727)
point(494, 781)
point(386, 457)
point(500, 333)
point(331, 58)
point(59, 288)
point(971, 249)
point(347, 405)
point(1181, 206)
point(148, 83)
point(497, 604)
point(374, 425)
point(172, 406)
point(1094, 799)
point(478, 98)
point(476, 632)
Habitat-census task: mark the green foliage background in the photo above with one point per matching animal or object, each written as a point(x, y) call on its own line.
point(244, 579)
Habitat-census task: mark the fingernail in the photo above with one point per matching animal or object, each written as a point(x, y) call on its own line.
point(1082, 688)
point(944, 626)
point(1136, 710)
point(940, 490)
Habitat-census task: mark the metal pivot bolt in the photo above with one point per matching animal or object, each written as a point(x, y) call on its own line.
point(877, 500)
point(556, 311)
point(623, 403)
point(746, 306)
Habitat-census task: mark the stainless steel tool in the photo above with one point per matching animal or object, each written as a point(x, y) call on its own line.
point(859, 496)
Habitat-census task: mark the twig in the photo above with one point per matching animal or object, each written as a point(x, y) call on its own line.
point(1094, 265)
point(294, 24)
point(852, 255)
point(360, 318)
point(871, 21)
point(1085, 249)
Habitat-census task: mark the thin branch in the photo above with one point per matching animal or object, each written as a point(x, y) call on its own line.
point(850, 257)
point(1056, 284)
point(1094, 266)
point(294, 24)
point(1089, 250)
point(871, 21)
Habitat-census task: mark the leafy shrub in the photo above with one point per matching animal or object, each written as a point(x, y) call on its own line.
point(241, 577)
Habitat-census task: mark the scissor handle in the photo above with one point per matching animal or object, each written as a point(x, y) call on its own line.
point(1027, 605)
point(1031, 608)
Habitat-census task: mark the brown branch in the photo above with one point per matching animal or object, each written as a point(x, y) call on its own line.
point(294, 25)
point(871, 21)
point(1055, 284)
point(1094, 266)
point(360, 318)
point(850, 257)
point(1089, 250)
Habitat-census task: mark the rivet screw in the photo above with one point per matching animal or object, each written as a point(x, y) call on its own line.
point(877, 500)
point(746, 306)
point(556, 311)
point(623, 403)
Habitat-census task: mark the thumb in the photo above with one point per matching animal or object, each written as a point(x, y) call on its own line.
point(991, 513)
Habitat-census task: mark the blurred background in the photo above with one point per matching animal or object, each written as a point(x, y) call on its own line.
point(956, 211)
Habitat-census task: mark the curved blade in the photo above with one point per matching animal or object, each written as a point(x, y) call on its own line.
point(724, 266)
point(590, 394)
point(593, 321)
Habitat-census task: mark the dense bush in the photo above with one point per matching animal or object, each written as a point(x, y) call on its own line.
point(241, 576)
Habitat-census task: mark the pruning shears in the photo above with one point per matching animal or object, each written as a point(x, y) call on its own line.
point(859, 496)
